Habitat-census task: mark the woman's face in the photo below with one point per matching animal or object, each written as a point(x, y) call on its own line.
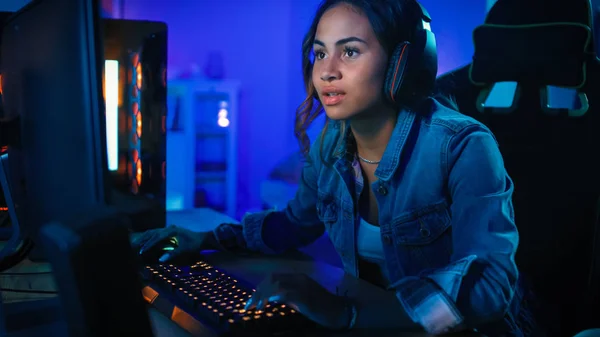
point(349, 64)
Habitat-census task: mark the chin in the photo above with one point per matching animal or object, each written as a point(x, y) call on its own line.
point(337, 113)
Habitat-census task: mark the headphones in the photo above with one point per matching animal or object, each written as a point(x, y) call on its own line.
point(413, 67)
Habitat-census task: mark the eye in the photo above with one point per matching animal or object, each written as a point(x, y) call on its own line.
point(319, 55)
point(351, 52)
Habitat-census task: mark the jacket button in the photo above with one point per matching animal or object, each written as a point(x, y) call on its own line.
point(425, 232)
point(387, 239)
point(382, 190)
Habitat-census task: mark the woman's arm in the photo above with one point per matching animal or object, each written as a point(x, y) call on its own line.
point(478, 285)
point(278, 231)
point(485, 237)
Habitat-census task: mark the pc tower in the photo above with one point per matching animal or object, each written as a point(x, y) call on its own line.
point(135, 90)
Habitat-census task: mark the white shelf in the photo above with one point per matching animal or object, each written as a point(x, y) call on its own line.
point(182, 179)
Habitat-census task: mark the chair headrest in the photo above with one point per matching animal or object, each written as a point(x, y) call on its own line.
point(544, 42)
point(531, 12)
point(537, 43)
point(544, 54)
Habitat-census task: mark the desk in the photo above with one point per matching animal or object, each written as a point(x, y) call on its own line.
point(252, 269)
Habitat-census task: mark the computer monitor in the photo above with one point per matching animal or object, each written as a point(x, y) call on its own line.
point(61, 138)
point(52, 66)
point(51, 79)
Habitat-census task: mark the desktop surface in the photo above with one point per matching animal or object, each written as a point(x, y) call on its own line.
point(32, 318)
point(251, 269)
point(42, 318)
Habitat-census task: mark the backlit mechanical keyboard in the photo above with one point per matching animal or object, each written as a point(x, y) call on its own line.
point(208, 302)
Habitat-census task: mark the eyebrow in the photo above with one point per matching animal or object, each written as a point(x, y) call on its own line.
point(342, 41)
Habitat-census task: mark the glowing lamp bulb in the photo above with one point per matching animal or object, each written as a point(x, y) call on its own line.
point(223, 122)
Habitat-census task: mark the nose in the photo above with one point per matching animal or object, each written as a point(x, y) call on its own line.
point(330, 71)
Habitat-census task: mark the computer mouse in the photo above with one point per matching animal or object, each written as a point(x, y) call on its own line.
point(153, 254)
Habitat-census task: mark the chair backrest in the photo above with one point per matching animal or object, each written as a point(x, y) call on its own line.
point(531, 82)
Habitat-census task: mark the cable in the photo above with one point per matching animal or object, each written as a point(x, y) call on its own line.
point(17, 247)
point(28, 291)
point(19, 254)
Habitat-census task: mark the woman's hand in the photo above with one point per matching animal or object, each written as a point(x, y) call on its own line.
point(304, 295)
point(187, 241)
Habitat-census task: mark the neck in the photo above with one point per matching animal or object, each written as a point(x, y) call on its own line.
point(373, 133)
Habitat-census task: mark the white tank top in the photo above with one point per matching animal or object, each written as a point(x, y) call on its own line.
point(370, 250)
point(369, 243)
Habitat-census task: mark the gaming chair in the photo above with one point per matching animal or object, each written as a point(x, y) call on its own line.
point(550, 150)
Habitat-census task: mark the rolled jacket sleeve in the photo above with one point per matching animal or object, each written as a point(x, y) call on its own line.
point(274, 231)
point(477, 287)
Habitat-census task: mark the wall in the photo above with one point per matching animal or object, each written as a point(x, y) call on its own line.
point(256, 52)
point(453, 23)
point(14, 5)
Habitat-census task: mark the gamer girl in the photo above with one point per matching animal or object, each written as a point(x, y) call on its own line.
point(413, 195)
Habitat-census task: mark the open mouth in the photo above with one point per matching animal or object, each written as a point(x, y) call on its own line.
point(331, 99)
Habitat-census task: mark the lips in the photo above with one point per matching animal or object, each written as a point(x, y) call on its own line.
point(332, 96)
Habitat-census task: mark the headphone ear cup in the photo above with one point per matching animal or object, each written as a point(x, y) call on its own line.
point(396, 72)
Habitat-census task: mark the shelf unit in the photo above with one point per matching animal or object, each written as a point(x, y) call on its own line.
point(202, 166)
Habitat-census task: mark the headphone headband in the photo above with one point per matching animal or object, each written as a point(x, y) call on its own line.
point(413, 66)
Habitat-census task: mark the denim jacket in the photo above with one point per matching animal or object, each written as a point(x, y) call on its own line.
point(445, 215)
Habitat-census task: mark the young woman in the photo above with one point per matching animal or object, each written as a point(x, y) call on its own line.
point(413, 195)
